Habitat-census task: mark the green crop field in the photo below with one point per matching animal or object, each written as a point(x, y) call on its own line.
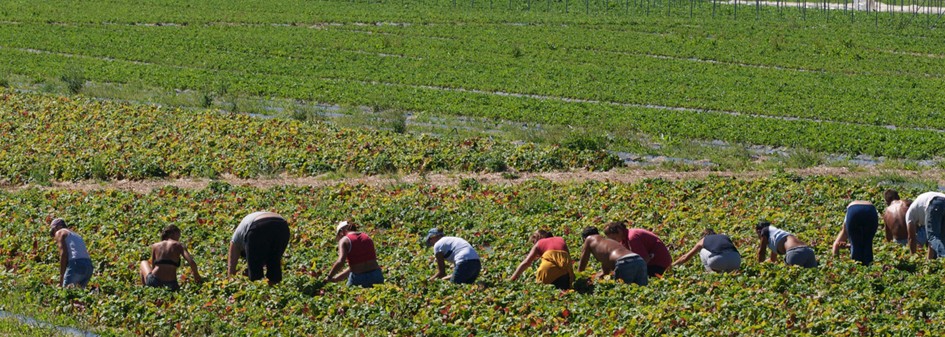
point(772, 78)
point(897, 295)
point(100, 95)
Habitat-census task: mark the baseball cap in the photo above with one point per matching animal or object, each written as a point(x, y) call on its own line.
point(341, 225)
point(431, 233)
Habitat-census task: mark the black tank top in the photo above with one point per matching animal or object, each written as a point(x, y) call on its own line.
point(717, 243)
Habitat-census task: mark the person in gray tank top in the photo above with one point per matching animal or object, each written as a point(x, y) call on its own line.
point(796, 252)
point(75, 266)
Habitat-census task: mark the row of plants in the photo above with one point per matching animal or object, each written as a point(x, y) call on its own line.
point(818, 74)
point(899, 294)
point(59, 138)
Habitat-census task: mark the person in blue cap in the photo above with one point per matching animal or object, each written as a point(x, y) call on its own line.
point(465, 260)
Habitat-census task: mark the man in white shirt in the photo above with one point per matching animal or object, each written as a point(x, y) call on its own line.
point(928, 211)
point(461, 254)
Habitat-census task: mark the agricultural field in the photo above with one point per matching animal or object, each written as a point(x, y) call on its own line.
point(782, 80)
point(897, 295)
point(113, 93)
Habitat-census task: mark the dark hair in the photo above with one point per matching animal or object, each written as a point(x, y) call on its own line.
point(538, 235)
point(351, 227)
point(58, 222)
point(169, 231)
point(762, 227)
point(707, 232)
point(890, 195)
point(615, 227)
point(588, 231)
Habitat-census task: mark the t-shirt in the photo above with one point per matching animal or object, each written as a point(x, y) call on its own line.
point(549, 244)
point(916, 212)
point(455, 250)
point(645, 243)
point(239, 235)
point(717, 243)
point(362, 249)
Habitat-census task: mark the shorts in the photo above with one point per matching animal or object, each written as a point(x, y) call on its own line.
point(921, 237)
point(78, 272)
point(366, 280)
point(153, 281)
point(934, 215)
point(466, 272)
point(801, 256)
point(631, 269)
point(726, 261)
point(862, 222)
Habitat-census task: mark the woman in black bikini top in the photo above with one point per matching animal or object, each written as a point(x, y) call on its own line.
point(166, 256)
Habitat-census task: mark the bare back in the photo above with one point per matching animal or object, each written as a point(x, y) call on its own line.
point(605, 250)
point(166, 250)
point(894, 218)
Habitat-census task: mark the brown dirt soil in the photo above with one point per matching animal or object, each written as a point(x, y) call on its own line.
point(441, 179)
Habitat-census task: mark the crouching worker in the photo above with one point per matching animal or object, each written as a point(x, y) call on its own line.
point(161, 270)
point(75, 265)
point(358, 249)
point(458, 252)
point(717, 252)
point(859, 228)
point(556, 266)
point(795, 251)
point(613, 256)
point(262, 238)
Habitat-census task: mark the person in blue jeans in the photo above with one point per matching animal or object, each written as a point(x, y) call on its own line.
point(859, 228)
point(927, 211)
point(625, 265)
point(458, 252)
point(75, 266)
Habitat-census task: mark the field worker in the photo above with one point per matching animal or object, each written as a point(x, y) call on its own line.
point(75, 265)
point(465, 260)
point(717, 252)
point(262, 238)
point(614, 258)
point(927, 211)
point(643, 242)
point(859, 228)
point(894, 220)
point(556, 266)
point(358, 249)
point(166, 256)
point(795, 251)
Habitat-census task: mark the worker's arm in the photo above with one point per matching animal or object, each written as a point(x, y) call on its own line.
point(232, 258)
point(190, 261)
point(841, 240)
point(440, 267)
point(585, 256)
point(762, 247)
point(532, 255)
point(692, 252)
point(63, 254)
point(344, 245)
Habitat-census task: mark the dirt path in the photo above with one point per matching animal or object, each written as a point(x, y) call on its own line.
point(621, 175)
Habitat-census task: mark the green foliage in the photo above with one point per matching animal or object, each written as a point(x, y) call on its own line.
point(74, 78)
point(898, 295)
point(63, 139)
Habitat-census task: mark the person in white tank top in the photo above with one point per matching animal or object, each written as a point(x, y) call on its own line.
point(75, 265)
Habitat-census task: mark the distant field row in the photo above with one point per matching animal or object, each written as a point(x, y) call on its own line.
point(829, 87)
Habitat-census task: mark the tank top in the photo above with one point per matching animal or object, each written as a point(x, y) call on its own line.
point(552, 243)
point(76, 247)
point(718, 243)
point(362, 249)
point(776, 236)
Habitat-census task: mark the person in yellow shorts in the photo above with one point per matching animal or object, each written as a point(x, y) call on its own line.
point(556, 266)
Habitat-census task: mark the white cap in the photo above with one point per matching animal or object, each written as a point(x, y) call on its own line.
point(341, 225)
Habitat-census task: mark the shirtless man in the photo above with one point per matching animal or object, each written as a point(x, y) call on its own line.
point(613, 257)
point(894, 219)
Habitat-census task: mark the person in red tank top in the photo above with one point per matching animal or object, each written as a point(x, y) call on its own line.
point(643, 242)
point(358, 250)
point(556, 266)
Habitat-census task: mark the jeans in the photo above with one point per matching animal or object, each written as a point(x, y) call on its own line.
point(920, 237)
point(78, 272)
point(934, 215)
point(801, 256)
point(725, 261)
point(466, 272)
point(631, 269)
point(862, 222)
point(153, 281)
point(366, 280)
point(266, 241)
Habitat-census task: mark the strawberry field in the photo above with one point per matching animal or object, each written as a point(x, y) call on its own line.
point(899, 294)
point(774, 80)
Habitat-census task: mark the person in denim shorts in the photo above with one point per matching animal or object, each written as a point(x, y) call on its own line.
point(624, 264)
point(75, 266)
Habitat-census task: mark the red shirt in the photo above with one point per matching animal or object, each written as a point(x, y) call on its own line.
point(362, 249)
point(645, 243)
point(552, 243)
